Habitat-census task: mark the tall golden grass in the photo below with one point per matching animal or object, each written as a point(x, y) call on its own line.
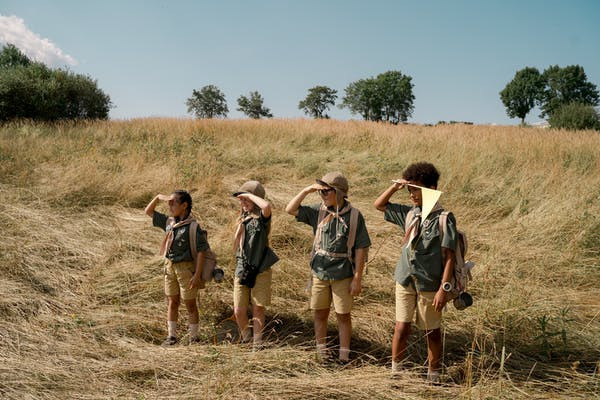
point(81, 304)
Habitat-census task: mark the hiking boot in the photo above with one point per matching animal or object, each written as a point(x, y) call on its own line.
point(433, 377)
point(169, 341)
point(194, 340)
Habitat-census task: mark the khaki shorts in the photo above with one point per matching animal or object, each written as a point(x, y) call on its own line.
point(259, 295)
point(416, 308)
point(322, 292)
point(177, 279)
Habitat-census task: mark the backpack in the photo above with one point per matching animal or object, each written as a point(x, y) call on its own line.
point(462, 269)
point(210, 258)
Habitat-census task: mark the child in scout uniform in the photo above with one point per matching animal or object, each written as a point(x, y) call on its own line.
point(339, 253)
point(252, 283)
point(423, 279)
point(183, 276)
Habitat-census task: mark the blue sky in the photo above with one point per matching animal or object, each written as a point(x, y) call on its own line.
point(150, 55)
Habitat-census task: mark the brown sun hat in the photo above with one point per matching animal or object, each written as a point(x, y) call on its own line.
point(335, 180)
point(253, 187)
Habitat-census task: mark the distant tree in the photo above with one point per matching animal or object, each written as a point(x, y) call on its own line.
point(32, 90)
point(520, 95)
point(566, 85)
point(318, 101)
point(11, 56)
point(395, 94)
point(362, 98)
point(208, 102)
point(252, 106)
point(388, 97)
point(575, 116)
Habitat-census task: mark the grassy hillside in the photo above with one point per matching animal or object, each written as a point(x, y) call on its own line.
point(82, 309)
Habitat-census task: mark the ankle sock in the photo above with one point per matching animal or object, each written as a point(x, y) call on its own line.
point(193, 331)
point(344, 354)
point(172, 328)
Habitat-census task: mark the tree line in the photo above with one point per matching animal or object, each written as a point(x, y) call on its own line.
point(387, 97)
point(564, 95)
point(31, 90)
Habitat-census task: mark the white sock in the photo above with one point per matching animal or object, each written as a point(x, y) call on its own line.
point(172, 327)
point(396, 366)
point(322, 350)
point(246, 333)
point(344, 353)
point(193, 331)
point(258, 337)
point(433, 376)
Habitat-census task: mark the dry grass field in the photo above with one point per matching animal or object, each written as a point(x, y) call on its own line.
point(82, 311)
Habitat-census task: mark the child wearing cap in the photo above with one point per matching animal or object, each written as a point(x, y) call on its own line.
point(423, 273)
point(254, 259)
point(339, 253)
point(183, 277)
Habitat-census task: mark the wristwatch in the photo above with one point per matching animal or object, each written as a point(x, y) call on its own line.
point(447, 286)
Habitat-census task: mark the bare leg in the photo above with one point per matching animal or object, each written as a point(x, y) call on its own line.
point(173, 308)
point(401, 334)
point(258, 323)
point(241, 317)
point(345, 331)
point(192, 310)
point(321, 330)
point(434, 349)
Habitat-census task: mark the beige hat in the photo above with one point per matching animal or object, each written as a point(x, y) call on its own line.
point(335, 180)
point(253, 187)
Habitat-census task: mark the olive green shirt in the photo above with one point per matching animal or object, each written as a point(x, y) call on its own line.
point(180, 248)
point(421, 262)
point(256, 242)
point(334, 239)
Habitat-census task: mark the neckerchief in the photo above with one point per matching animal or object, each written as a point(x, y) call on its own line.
point(168, 240)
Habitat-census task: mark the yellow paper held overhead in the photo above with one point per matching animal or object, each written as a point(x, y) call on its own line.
point(430, 197)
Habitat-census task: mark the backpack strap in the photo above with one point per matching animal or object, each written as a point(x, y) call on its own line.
point(352, 232)
point(443, 223)
point(351, 235)
point(193, 232)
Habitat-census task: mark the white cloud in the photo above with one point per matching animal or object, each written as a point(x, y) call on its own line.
point(13, 30)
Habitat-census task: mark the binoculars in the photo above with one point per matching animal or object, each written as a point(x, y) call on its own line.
point(463, 301)
point(218, 275)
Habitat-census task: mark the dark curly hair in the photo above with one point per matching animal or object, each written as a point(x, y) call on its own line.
point(422, 172)
point(183, 196)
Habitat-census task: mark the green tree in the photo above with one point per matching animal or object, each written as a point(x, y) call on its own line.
point(388, 97)
point(208, 102)
point(11, 56)
point(32, 90)
point(566, 85)
point(252, 106)
point(575, 116)
point(396, 97)
point(362, 98)
point(318, 101)
point(520, 95)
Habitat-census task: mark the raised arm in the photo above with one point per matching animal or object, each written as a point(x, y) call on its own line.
point(384, 198)
point(294, 204)
point(263, 204)
point(149, 210)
